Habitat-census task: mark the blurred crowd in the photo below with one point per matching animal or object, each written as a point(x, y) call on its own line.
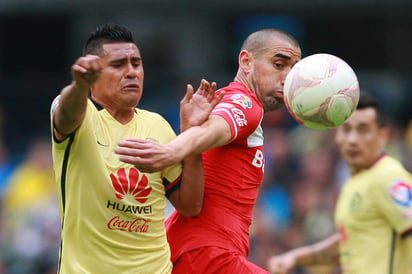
point(29, 214)
point(303, 175)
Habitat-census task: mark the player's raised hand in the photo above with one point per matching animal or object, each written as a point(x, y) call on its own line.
point(195, 107)
point(86, 70)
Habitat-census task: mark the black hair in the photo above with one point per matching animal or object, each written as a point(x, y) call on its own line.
point(106, 34)
point(368, 101)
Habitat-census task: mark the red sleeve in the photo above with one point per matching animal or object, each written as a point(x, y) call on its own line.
point(241, 112)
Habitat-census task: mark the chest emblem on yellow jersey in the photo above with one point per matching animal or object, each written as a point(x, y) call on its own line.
point(355, 203)
point(131, 186)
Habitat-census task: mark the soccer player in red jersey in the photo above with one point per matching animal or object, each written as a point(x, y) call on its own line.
point(217, 240)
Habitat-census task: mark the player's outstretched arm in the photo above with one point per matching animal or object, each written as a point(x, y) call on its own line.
point(149, 156)
point(70, 109)
point(323, 252)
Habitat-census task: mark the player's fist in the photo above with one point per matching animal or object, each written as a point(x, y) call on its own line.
point(86, 70)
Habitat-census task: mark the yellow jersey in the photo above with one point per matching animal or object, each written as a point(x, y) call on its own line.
point(373, 212)
point(112, 213)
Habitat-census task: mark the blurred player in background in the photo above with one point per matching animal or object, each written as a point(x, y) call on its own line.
point(374, 209)
point(217, 240)
point(112, 213)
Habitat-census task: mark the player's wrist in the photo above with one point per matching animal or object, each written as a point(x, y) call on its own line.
point(79, 88)
point(175, 153)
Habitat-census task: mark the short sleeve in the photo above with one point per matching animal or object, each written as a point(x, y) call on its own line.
point(241, 113)
point(394, 201)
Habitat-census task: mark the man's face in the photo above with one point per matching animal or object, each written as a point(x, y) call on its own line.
point(120, 84)
point(269, 71)
point(360, 139)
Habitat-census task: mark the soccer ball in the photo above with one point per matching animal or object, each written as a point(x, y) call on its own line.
point(321, 91)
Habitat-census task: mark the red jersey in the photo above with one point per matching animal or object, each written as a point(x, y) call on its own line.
point(233, 174)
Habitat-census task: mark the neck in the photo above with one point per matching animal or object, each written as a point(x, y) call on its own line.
point(123, 116)
point(356, 169)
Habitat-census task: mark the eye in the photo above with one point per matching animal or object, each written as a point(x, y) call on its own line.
point(279, 65)
point(345, 128)
point(363, 130)
point(116, 64)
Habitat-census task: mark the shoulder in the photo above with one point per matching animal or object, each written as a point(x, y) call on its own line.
point(237, 94)
point(389, 167)
point(390, 176)
point(240, 106)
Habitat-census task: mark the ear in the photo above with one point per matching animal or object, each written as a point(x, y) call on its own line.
point(385, 135)
point(245, 61)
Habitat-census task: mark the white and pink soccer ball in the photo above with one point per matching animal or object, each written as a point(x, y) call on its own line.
point(321, 91)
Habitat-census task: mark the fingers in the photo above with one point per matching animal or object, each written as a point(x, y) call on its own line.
point(136, 143)
point(134, 147)
point(143, 165)
point(217, 99)
point(88, 64)
point(139, 153)
point(212, 91)
point(135, 152)
point(188, 95)
point(207, 90)
point(87, 69)
point(204, 88)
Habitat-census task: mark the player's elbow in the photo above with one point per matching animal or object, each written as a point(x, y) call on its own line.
point(192, 211)
point(187, 205)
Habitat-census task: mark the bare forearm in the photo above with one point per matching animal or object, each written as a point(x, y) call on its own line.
point(309, 255)
point(324, 252)
point(71, 110)
point(213, 133)
point(188, 147)
point(190, 194)
point(149, 156)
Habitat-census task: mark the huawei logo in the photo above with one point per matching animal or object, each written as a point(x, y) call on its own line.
point(128, 186)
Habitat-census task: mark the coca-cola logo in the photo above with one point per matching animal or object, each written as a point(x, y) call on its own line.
point(136, 225)
point(129, 184)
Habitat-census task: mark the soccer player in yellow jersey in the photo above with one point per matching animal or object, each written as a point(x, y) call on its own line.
point(373, 215)
point(113, 213)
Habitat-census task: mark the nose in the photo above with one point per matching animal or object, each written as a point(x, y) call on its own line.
point(352, 136)
point(283, 76)
point(132, 71)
